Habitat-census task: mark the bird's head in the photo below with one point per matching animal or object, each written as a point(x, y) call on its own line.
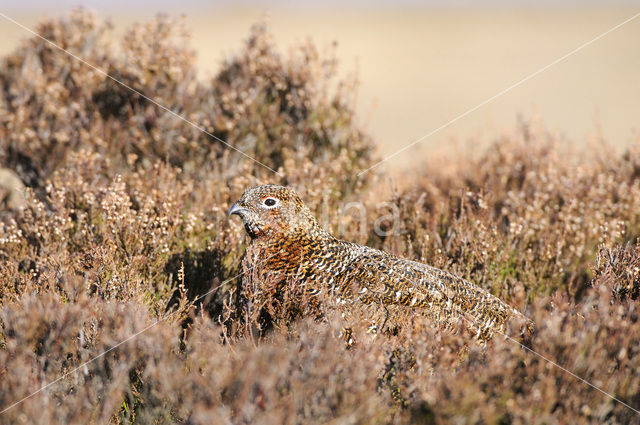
point(271, 210)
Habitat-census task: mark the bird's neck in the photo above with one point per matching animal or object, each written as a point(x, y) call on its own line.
point(294, 245)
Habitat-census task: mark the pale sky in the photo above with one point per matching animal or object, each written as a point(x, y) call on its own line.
point(186, 5)
point(421, 67)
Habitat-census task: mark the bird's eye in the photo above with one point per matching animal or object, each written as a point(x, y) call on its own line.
point(270, 202)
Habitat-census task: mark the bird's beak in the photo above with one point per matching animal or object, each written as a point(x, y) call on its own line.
point(236, 209)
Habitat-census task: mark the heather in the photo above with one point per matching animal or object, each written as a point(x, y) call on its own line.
point(121, 231)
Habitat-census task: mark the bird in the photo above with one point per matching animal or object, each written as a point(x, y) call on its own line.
point(288, 243)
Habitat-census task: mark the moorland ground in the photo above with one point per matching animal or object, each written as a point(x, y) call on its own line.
point(121, 231)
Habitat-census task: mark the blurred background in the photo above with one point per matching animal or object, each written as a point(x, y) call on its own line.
point(421, 64)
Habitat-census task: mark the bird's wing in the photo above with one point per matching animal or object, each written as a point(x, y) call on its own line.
point(441, 295)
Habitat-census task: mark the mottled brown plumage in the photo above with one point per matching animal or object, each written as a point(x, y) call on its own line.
point(288, 242)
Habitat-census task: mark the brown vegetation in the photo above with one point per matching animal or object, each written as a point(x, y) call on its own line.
point(122, 229)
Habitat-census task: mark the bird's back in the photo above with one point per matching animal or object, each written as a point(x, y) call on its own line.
point(367, 275)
